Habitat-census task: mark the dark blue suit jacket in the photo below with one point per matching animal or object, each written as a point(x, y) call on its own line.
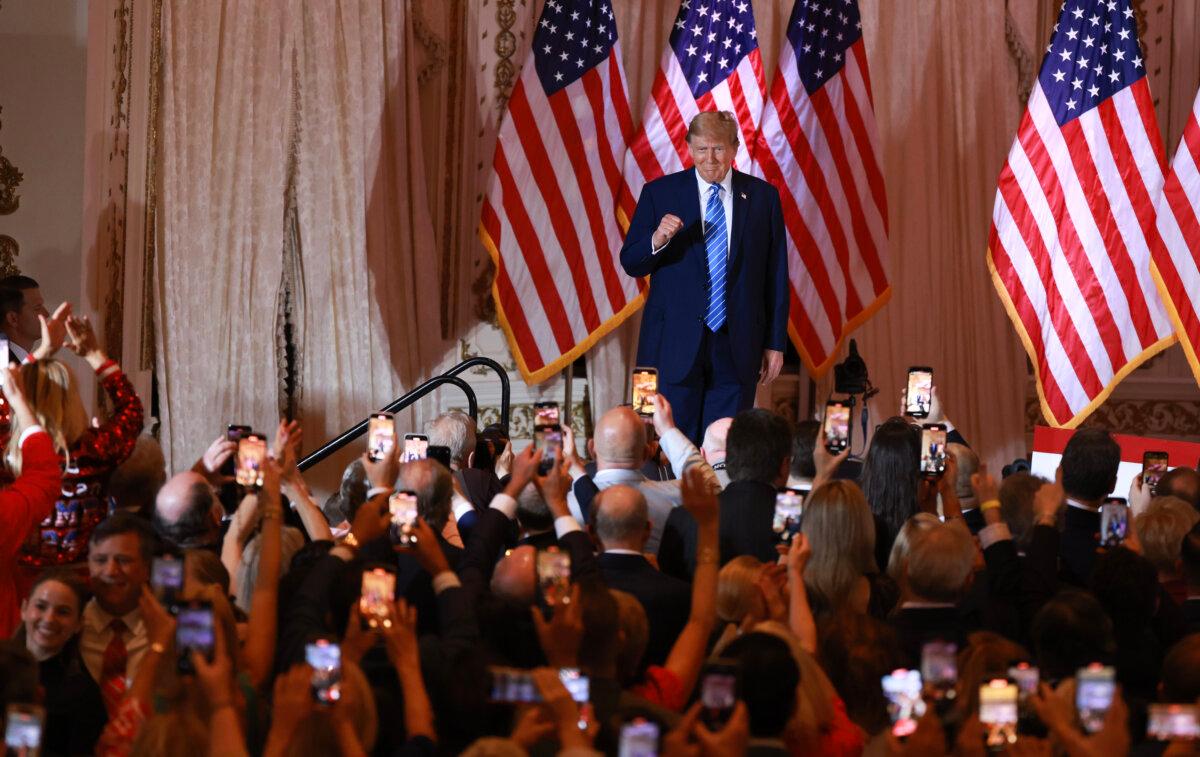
point(756, 290)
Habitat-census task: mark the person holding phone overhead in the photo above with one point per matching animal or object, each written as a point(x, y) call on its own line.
point(712, 240)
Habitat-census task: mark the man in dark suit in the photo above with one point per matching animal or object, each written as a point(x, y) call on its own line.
point(1089, 472)
point(456, 431)
point(21, 304)
point(937, 575)
point(622, 523)
point(712, 240)
point(758, 459)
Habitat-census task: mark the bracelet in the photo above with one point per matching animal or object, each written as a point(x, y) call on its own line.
point(158, 647)
point(989, 505)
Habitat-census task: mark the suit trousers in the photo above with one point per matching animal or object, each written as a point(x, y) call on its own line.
point(710, 390)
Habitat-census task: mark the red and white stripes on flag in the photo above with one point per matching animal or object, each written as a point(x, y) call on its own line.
point(1074, 221)
point(1177, 261)
point(712, 62)
point(549, 219)
point(818, 146)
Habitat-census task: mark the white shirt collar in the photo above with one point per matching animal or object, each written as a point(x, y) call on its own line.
point(1080, 506)
point(23, 353)
point(617, 551)
point(99, 619)
point(726, 185)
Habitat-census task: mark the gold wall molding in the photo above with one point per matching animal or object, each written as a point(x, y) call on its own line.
point(118, 157)
point(10, 178)
point(1155, 418)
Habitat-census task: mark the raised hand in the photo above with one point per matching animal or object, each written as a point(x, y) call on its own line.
point(698, 499)
point(561, 636)
point(54, 332)
point(664, 417)
point(83, 336)
point(668, 227)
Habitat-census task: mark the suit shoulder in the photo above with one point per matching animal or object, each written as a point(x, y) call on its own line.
point(668, 182)
point(755, 185)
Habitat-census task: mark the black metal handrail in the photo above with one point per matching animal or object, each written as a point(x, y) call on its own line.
point(449, 377)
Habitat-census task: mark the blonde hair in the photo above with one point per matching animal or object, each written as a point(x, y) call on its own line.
point(1162, 528)
point(987, 655)
point(714, 123)
point(900, 547)
point(841, 530)
point(53, 397)
point(314, 735)
point(737, 595)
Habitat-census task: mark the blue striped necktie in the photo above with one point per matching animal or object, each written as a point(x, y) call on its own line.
point(716, 241)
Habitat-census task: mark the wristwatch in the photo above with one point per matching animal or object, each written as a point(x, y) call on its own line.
point(350, 541)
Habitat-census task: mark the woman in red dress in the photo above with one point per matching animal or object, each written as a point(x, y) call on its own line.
point(88, 454)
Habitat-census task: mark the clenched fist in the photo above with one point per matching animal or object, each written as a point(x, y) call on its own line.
point(668, 227)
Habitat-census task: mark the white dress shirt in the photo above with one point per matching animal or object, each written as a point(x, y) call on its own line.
point(726, 193)
point(21, 353)
point(96, 634)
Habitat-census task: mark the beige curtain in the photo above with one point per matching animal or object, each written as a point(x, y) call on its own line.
point(226, 69)
point(370, 324)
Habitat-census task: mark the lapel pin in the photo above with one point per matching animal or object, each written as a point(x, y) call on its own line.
point(743, 195)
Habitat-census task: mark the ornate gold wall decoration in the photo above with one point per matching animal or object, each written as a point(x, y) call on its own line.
point(1026, 65)
point(434, 45)
point(1137, 417)
point(150, 230)
point(10, 178)
point(118, 155)
point(8, 254)
point(506, 46)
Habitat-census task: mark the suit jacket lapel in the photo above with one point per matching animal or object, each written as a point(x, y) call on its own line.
point(741, 204)
point(693, 221)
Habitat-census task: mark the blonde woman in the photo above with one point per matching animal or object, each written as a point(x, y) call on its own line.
point(88, 454)
point(841, 530)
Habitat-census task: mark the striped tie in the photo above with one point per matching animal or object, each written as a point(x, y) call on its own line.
point(716, 242)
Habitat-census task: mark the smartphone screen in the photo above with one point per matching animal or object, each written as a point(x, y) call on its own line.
point(23, 728)
point(577, 684)
point(378, 593)
point(902, 689)
point(403, 507)
point(639, 738)
point(836, 429)
point(645, 386)
point(1114, 522)
point(1025, 676)
point(193, 631)
point(513, 685)
point(251, 452)
point(933, 450)
point(919, 396)
point(1154, 467)
point(554, 574)
point(1172, 722)
point(325, 658)
point(549, 441)
point(786, 524)
point(1093, 695)
point(545, 414)
point(415, 446)
point(998, 712)
point(718, 693)
point(166, 578)
point(939, 668)
point(381, 436)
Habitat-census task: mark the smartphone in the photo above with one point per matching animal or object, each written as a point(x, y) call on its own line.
point(166, 578)
point(835, 430)
point(1026, 677)
point(933, 450)
point(549, 441)
point(381, 436)
point(545, 414)
point(639, 738)
point(439, 453)
point(235, 433)
point(918, 397)
point(718, 693)
point(378, 593)
point(414, 447)
point(1114, 522)
point(554, 574)
point(23, 729)
point(788, 504)
point(193, 631)
point(998, 712)
point(577, 684)
point(513, 685)
point(403, 507)
point(1154, 467)
point(251, 452)
point(902, 689)
point(1094, 688)
point(645, 386)
point(939, 669)
point(1172, 722)
point(325, 658)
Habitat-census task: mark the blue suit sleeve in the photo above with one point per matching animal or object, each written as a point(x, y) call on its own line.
point(778, 293)
point(636, 254)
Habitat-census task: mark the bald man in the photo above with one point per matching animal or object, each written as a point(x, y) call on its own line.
point(620, 448)
point(713, 447)
point(187, 513)
point(622, 525)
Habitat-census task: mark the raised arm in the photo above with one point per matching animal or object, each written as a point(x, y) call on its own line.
point(402, 650)
point(288, 442)
point(31, 496)
point(216, 680)
point(260, 632)
point(688, 652)
point(114, 439)
point(680, 451)
point(800, 617)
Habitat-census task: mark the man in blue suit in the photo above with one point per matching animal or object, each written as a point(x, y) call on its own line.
point(712, 241)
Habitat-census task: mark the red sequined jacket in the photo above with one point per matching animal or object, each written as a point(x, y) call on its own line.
point(63, 537)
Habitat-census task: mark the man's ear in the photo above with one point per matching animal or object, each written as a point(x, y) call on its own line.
point(591, 449)
point(470, 458)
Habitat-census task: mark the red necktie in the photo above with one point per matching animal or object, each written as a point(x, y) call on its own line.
point(112, 668)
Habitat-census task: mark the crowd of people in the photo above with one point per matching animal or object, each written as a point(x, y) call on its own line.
point(638, 599)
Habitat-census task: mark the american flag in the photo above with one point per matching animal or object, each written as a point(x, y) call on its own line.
point(1074, 220)
point(712, 62)
point(1177, 260)
point(549, 217)
point(818, 146)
